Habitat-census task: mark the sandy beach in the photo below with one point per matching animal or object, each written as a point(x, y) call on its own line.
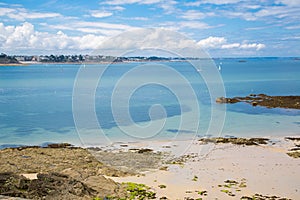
point(208, 169)
point(226, 171)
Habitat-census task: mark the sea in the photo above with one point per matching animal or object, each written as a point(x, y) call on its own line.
point(134, 101)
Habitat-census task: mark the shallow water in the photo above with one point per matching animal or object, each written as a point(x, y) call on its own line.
point(36, 102)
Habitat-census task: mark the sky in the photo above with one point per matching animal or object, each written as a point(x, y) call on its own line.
point(223, 28)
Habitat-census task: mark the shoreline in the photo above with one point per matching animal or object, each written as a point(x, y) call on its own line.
point(14, 65)
point(85, 63)
point(211, 168)
point(217, 170)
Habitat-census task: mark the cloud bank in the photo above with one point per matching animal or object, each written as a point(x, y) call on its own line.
point(18, 39)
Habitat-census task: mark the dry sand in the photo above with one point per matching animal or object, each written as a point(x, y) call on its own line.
point(263, 169)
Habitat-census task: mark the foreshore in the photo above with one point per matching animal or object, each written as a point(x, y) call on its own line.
point(211, 168)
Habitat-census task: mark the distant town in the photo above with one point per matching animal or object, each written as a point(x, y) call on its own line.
point(23, 59)
point(93, 59)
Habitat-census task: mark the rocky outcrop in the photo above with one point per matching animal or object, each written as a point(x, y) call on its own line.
point(70, 171)
point(36, 172)
point(132, 161)
point(294, 152)
point(238, 141)
point(265, 100)
point(46, 186)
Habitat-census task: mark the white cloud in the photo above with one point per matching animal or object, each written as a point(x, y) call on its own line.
point(221, 43)
point(34, 15)
point(192, 15)
point(89, 41)
point(106, 32)
point(116, 8)
point(230, 46)
point(278, 12)
point(106, 11)
point(257, 28)
point(24, 37)
point(289, 12)
point(22, 14)
point(220, 2)
point(256, 46)
point(249, 16)
point(194, 25)
point(291, 38)
point(212, 42)
point(100, 14)
point(139, 18)
point(216, 2)
point(123, 2)
point(83, 27)
point(293, 27)
point(120, 2)
point(289, 2)
point(168, 6)
point(5, 11)
point(141, 39)
point(104, 25)
point(252, 46)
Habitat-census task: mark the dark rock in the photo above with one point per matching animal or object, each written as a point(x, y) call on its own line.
point(295, 149)
point(293, 138)
point(47, 186)
point(294, 154)
point(144, 150)
point(238, 141)
point(265, 100)
point(59, 145)
point(162, 198)
point(263, 197)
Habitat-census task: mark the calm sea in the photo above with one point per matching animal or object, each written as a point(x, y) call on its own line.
point(36, 101)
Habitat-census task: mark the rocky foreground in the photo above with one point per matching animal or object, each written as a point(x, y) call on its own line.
point(264, 100)
point(61, 171)
point(243, 168)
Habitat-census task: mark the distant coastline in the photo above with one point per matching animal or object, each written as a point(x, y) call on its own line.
point(23, 60)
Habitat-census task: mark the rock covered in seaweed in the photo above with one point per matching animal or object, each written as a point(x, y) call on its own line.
point(265, 100)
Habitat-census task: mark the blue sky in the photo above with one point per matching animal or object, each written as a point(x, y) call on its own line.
point(224, 28)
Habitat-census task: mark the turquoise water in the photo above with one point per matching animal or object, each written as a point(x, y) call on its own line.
point(36, 101)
